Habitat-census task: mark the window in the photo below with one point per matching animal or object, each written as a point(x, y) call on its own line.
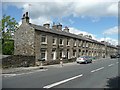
point(83, 44)
point(53, 55)
point(87, 44)
point(43, 54)
point(74, 42)
point(83, 52)
point(54, 40)
point(74, 53)
point(80, 43)
point(68, 43)
point(61, 53)
point(68, 54)
point(79, 52)
point(61, 41)
point(43, 39)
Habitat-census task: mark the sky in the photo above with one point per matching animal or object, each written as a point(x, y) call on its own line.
point(98, 18)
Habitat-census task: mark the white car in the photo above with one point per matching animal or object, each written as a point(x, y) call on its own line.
point(84, 59)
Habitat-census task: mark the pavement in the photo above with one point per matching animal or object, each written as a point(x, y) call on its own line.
point(28, 69)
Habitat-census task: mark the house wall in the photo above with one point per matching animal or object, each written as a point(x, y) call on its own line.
point(24, 40)
point(28, 42)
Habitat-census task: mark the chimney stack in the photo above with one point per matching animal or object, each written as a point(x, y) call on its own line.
point(80, 34)
point(25, 18)
point(66, 29)
point(59, 27)
point(46, 25)
point(54, 27)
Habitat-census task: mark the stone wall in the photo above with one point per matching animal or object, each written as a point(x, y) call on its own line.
point(24, 40)
point(18, 61)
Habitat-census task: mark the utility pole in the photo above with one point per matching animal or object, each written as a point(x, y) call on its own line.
point(29, 8)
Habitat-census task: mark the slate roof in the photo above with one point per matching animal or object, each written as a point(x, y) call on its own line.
point(62, 33)
point(41, 28)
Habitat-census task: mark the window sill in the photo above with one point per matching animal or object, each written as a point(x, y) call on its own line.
point(60, 44)
point(44, 43)
point(54, 44)
point(67, 45)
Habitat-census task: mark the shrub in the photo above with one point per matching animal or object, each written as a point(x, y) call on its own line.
point(18, 61)
point(51, 62)
point(8, 47)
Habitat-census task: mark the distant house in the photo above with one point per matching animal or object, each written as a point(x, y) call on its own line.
point(53, 43)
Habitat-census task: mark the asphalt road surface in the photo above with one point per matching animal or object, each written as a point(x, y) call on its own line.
point(99, 74)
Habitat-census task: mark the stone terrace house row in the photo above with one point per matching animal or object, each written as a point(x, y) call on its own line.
point(54, 43)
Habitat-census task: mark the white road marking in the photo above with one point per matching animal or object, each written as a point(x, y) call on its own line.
point(63, 81)
point(110, 65)
point(113, 59)
point(11, 75)
point(97, 69)
point(117, 62)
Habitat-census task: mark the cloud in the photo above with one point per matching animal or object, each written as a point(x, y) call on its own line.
point(107, 39)
point(40, 21)
point(111, 31)
point(80, 8)
point(42, 11)
point(77, 31)
point(20, 22)
point(110, 40)
point(47, 10)
point(95, 8)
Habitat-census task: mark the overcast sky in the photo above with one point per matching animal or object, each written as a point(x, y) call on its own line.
point(93, 17)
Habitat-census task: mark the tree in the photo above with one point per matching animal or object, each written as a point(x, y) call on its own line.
point(9, 26)
point(8, 47)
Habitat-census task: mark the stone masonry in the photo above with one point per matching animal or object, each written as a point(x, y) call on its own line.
point(35, 40)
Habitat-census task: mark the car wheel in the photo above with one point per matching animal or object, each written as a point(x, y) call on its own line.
point(78, 62)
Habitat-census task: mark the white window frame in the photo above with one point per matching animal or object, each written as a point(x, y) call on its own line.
point(80, 43)
point(62, 53)
point(45, 54)
point(59, 41)
point(54, 55)
point(54, 41)
point(68, 54)
point(75, 43)
point(75, 53)
point(83, 45)
point(45, 39)
point(68, 41)
point(87, 44)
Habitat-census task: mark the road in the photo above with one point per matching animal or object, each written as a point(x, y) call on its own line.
point(99, 74)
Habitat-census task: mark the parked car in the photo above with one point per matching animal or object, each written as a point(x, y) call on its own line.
point(118, 55)
point(115, 56)
point(84, 59)
point(112, 56)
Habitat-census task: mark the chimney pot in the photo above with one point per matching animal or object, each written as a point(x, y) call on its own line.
point(54, 27)
point(26, 14)
point(66, 29)
point(46, 25)
point(59, 27)
point(25, 18)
